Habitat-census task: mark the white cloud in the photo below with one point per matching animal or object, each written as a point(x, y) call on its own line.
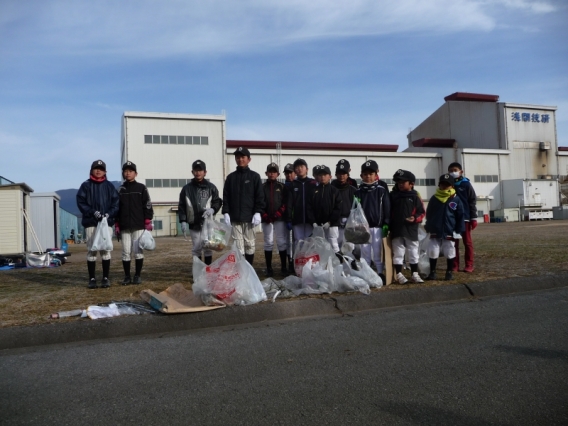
point(151, 28)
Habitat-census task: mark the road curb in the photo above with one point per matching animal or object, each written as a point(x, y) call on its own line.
point(86, 330)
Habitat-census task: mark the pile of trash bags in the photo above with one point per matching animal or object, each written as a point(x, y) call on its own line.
point(231, 280)
point(319, 270)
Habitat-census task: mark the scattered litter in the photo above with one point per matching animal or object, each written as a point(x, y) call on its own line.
point(65, 314)
point(177, 299)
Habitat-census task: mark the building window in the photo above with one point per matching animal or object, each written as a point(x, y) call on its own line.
point(165, 183)
point(176, 140)
point(150, 183)
point(485, 178)
point(174, 183)
point(158, 226)
point(157, 183)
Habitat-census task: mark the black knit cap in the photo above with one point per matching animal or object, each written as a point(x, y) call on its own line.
point(198, 165)
point(242, 151)
point(129, 165)
point(446, 179)
point(99, 164)
point(404, 175)
point(370, 165)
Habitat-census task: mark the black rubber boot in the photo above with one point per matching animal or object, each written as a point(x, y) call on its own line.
point(291, 269)
point(450, 266)
point(268, 259)
point(105, 283)
point(249, 258)
point(398, 268)
point(283, 258)
point(208, 260)
point(92, 281)
point(126, 266)
point(138, 266)
point(432, 275)
point(91, 269)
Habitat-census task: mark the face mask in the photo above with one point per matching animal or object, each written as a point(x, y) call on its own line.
point(455, 175)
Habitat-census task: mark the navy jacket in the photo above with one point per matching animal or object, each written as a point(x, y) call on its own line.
point(376, 204)
point(243, 195)
point(326, 204)
point(465, 191)
point(405, 204)
point(347, 193)
point(299, 210)
point(97, 196)
point(443, 219)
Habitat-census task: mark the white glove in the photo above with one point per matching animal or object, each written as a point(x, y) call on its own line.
point(208, 212)
point(184, 229)
point(227, 219)
point(256, 219)
point(343, 221)
point(98, 215)
point(326, 225)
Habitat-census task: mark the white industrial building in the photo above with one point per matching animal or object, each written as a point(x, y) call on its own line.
point(509, 151)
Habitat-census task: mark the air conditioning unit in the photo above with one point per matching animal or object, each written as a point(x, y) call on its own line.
point(544, 146)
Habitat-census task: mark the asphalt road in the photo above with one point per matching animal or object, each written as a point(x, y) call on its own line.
point(498, 361)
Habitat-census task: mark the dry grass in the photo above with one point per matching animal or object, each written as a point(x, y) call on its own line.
point(28, 296)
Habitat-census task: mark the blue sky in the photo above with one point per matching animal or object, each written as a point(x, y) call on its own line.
point(360, 71)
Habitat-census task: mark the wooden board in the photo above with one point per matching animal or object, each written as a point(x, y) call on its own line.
point(387, 260)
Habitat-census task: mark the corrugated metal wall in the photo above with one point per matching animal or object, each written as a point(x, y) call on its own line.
point(67, 222)
point(45, 220)
point(12, 230)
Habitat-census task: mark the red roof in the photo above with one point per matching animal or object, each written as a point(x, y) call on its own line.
point(433, 143)
point(472, 97)
point(313, 146)
point(563, 148)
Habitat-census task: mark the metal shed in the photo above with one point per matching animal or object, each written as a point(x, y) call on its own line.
point(14, 236)
point(45, 220)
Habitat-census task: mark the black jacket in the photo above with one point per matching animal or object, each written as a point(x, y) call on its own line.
point(443, 219)
point(134, 206)
point(465, 191)
point(275, 195)
point(346, 193)
point(326, 204)
point(194, 198)
point(243, 195)
point(375, 202)
point(405, 204)
point(298, 208)
point(97, 196)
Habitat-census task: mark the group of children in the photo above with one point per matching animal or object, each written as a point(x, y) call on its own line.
point(287, 212)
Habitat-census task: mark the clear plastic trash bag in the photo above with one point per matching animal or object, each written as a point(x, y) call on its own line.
point(215, 235)
point(102, 237)
point(146, 241)
point(357, 229)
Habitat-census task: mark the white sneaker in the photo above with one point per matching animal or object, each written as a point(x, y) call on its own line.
point(401, 278)
point(416, 278)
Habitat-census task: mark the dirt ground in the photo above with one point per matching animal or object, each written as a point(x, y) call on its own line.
point(29, 296)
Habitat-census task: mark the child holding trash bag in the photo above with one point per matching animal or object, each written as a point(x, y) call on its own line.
point(407, 212)
point(290, 177)
point(243, 203)
point(376, 205)
point(299, 211)
point(97, 198)
point(326, 207)
point(467, 195)
point(198, 200)
point(273, 224)
point(444, 220)
point(344, 185)
point(135, 215)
